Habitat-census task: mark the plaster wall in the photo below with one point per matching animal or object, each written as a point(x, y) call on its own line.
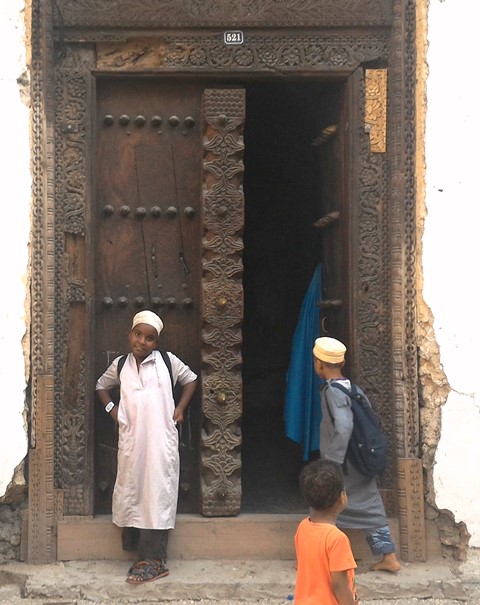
point(15, 183)
point(450, 251)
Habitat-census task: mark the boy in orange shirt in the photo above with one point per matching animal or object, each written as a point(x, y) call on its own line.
point(325, 562)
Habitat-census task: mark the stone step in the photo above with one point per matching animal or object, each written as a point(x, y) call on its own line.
point(246, 537)
point(216, 583)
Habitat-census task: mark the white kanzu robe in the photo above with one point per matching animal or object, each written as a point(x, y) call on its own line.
point(146, 487)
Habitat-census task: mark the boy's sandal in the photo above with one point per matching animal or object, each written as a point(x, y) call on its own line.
point(146, 571)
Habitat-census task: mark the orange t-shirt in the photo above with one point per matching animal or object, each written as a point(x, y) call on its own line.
point(321, 548)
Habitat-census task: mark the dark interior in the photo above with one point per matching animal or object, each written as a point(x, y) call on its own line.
point(282, 185)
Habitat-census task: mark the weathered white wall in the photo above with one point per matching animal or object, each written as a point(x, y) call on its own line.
point(451, 248)
point(15, 196)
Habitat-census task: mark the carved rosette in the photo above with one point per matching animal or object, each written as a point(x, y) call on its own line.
point(223, 204)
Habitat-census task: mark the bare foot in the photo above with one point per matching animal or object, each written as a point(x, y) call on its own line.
point(389, 563)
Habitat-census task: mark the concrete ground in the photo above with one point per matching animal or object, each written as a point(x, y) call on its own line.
point(204, 582)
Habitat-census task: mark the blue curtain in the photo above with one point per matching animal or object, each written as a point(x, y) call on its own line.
point(302, 398)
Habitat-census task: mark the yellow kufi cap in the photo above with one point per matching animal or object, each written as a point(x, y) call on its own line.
point(329, 349)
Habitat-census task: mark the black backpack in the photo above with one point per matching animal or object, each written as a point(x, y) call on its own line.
point(166, 359)
point(368, 446)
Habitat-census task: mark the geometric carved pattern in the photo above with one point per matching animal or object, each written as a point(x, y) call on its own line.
point(223, 113)
point(223, 13)
point(411, 509)
point(403, 229)
point(410, 421)
point(41, 527)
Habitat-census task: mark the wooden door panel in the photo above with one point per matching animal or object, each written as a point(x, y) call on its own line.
point(339, 137)
point(147, 241)
point(329, 142)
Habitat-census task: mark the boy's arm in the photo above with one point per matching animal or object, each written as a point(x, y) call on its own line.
point(104, 397)
point(187, 393)
point(107, 381)
point(341, 588)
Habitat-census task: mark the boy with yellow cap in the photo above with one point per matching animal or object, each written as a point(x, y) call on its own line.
point(365, 508)
point(146, 488)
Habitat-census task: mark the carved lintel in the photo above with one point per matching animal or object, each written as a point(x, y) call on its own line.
point(226, 14)
point(287, 52)
point(376, 108)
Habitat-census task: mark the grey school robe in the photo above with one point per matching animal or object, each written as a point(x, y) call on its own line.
point(146, 487)
point(365, 508)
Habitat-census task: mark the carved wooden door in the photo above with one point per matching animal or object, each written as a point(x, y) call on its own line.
point(146, 220)
point(338, 143)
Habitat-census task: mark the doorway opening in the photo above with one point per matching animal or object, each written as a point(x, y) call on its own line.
point(284, 185)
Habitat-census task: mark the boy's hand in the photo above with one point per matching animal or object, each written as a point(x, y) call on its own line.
point(178, 416)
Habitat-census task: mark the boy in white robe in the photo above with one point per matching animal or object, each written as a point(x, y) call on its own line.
point(146, 487)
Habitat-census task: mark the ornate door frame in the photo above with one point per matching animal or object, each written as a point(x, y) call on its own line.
point(74, 43)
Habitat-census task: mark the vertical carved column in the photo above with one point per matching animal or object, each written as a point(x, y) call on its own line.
point(223, 218)
point(73, 415)
point(403, 262)
point(41, 546)
point(402, 220)
point(370, 268)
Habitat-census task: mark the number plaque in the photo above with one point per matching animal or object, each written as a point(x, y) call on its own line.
point(233, 37)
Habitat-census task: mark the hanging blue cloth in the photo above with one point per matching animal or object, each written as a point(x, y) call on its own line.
point(302, 413)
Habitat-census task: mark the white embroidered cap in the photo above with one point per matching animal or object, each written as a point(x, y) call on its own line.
point(150, 318)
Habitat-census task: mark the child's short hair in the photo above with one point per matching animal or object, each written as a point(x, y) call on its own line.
point(321, 483)
point(332, 365)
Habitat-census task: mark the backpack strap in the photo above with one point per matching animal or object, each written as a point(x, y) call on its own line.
point(166, 359)
point(348, 392)
point(168, 363)
point(340, 387)
point(362, 399)
point(121, 363)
